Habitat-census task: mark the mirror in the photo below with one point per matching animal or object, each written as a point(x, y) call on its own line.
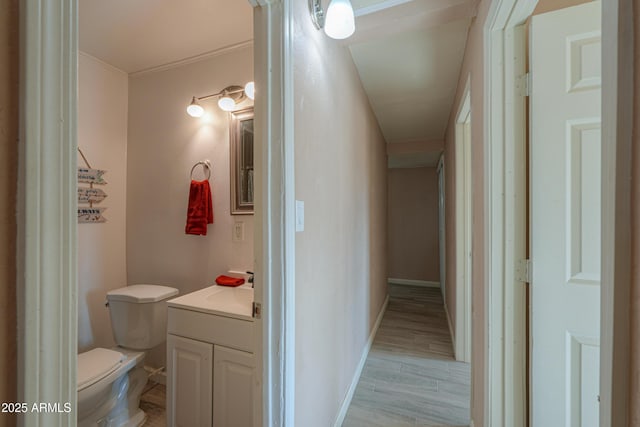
point(242, 162)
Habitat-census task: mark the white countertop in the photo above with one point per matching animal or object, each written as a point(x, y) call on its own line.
point(235, 302)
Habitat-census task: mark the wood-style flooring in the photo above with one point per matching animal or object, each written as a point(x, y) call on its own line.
point(153, 403)
point(410, 377)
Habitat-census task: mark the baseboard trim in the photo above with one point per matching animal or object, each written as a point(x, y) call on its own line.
point(451, 330)
point(356, 377)
point(411, 282)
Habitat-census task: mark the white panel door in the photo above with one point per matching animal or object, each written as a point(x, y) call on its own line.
point(189, 382)
point(565, 216)
point(234, 382)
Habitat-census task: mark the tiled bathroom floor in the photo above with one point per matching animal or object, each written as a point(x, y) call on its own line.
point(153, 403)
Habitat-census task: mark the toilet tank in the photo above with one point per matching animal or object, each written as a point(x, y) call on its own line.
point(139, 315)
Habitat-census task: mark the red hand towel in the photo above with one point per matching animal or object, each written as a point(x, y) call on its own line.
point(229, 281)
point(200, 211)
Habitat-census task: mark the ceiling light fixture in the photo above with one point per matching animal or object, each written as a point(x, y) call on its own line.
point(339, 21)
point(229, 97)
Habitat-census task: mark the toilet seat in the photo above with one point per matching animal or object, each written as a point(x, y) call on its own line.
point(96, 364)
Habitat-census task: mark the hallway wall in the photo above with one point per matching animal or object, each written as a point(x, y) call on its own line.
point(544, 6)
point(634, 357)
point(412, 231)
point(340, 174)
point(473, 67)
point(9, 63)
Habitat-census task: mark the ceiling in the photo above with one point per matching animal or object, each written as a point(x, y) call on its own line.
point(411, 79)
point(408, 54)
point(136, 35)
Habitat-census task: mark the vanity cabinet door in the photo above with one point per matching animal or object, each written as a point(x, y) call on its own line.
point(189, 382)
point(234, 374)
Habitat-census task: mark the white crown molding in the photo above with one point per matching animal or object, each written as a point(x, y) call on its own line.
point(102, 63)
point(193, 59)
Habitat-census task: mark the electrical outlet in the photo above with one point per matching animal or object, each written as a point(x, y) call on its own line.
point(299, 215)
point(238, 231)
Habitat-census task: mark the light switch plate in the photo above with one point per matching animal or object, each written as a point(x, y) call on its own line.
point(238, 231)
point(299, 215)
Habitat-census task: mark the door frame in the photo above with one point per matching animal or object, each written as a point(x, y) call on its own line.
point(464, 225)
point(275, 223)
point(505, 397)
point(442, 230)
point(617, 211)
point(46, 209)
point(47, 219)
point(505, 212)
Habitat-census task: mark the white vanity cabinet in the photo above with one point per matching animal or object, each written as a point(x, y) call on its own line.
point(210, 368)
point(234, 374)
point(189, 382)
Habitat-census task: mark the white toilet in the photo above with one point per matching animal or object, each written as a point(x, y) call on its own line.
point(110, 381)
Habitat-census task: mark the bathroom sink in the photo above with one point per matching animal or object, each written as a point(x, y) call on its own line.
point(234, 297)
point(220, 300)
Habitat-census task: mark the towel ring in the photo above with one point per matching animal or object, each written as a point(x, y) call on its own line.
point(206, 164)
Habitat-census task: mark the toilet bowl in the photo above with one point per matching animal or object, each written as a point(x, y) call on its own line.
point(111, 381)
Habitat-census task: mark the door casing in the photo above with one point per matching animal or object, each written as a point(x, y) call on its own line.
point(464, 228)
point(504, 397)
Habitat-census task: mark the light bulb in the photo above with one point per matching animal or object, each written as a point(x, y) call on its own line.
point(340, 21)
point(226, 103)
point(194, 109)
point(250, 90)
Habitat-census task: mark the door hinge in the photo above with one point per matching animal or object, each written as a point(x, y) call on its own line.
point(524, 84)
point(257, 310)
point(523, 271)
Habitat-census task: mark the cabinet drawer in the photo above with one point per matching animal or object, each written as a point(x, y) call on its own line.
point(226, 331)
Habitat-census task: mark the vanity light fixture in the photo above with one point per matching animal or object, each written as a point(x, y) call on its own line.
point(195, 109)
point(338, 22)
point(228, 98)
point(250, 90)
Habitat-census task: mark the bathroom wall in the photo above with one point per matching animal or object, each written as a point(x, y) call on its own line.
point(8, 185)
point(412, 230)
point(102, 137)
point(340, 174)
point(164, 142)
